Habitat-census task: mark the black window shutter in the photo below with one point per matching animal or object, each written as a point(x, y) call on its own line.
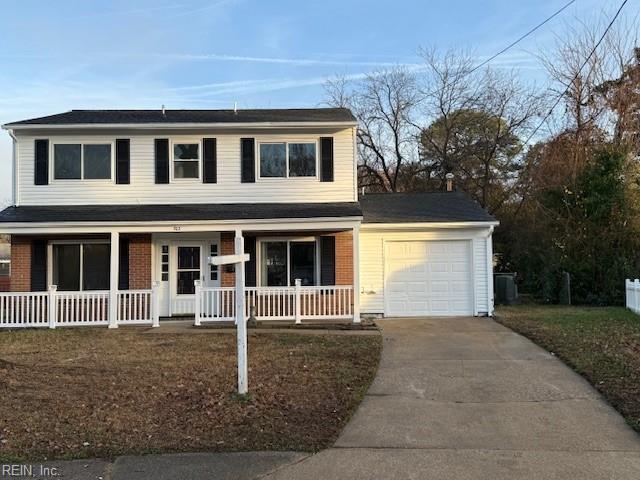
point(39, 265)
point(250, 266)
point(248, 158)
point(210, 156)
point(162, 160)
point(41, 162)
point(123, 267)
point(327, 260)
point(123, 160)
point(326, 159)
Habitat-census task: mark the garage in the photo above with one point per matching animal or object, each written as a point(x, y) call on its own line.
point(425, 254)
point(428, 278)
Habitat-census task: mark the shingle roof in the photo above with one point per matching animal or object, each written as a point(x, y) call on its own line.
point(187, 212)
point(375, 208)
point(422, 207)
point(98, 117)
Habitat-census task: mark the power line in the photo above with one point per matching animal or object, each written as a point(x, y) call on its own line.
point(575, 77)
point(507, 48)
point(522, 37)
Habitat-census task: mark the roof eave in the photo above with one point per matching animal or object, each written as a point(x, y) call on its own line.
point(422, 225)
point(176, 126)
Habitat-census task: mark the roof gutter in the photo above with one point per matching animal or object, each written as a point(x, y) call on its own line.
point(428, 225)
point(178, 126)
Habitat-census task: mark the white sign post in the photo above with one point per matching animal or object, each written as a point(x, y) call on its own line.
point(238, 260)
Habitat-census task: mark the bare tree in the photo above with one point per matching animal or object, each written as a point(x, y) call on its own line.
point(480, 118)
point(385, 105)
point(594, 107)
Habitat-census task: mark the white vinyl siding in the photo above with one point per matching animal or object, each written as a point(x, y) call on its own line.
point(372, 262)
point(228, 189)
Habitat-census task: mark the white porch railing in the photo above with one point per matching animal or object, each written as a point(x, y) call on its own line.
point(632, 288)
point(24, 310)
point(91, 308)
point(277, 303)
point(135, 306)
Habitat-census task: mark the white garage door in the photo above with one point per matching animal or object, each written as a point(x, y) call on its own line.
point(428, 278)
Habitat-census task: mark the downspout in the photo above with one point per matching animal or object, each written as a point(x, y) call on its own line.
point(14, 183)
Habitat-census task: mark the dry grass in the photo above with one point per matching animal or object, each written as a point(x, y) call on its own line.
point(99, 393)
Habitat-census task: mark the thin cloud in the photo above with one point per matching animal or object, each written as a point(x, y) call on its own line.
point(313, 62)
point(133, 11)
point(206, 7)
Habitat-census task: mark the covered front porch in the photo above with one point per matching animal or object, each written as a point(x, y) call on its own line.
point(300, 271)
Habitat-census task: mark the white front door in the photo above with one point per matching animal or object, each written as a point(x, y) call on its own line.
point(178, 264)
point(428, 278)
point(188, 269)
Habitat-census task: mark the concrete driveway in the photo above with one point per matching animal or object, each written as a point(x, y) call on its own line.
point(467, 398)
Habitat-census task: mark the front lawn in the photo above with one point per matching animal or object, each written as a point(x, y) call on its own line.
point(602, 344)
point(99, 393)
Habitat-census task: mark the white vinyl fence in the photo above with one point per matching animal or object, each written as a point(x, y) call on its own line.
point(632, 288)
point(91, 308)
point(296, 303)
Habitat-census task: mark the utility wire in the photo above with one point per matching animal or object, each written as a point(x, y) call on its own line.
point(507, 48)
point(522, 37)
point(575, 77)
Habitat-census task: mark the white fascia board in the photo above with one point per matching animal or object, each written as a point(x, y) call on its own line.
point(309, 224)
point(427, 225)
point(177, 126)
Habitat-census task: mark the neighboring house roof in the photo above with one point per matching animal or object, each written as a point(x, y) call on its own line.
point(422, 207)
point(167, 213)
point(135, 117)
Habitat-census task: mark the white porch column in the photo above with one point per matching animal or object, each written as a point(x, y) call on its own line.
point(356, 274)
point(113, 280)
point(241, 319)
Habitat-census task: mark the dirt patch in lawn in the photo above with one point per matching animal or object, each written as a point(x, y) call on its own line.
point(602, 344)
point(99, 393)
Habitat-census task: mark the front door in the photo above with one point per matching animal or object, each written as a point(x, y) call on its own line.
point(188, 261)
point(179, 262)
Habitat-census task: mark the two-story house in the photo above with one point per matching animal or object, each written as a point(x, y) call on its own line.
point(120, 200)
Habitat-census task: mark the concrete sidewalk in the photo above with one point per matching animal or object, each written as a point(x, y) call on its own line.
point(454, 399)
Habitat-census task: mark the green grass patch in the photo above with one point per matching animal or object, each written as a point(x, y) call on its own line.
point(600, 343)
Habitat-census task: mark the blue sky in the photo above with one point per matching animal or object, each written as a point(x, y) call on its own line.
point(56, 56)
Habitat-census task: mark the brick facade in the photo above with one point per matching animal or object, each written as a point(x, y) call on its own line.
point(139, 261)
point(5, 284)
point(20, 263)
point(344, 258)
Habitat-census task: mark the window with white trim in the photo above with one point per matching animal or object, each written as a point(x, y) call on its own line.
point(213, 273)
point(186, 160)
point(82, 161)
point(164, 264)
point(287, 159)
point(284, 261)
point(81, 266)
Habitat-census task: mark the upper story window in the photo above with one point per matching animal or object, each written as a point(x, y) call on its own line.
point(78, 161)
point(281, 160)
point(186, 160)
